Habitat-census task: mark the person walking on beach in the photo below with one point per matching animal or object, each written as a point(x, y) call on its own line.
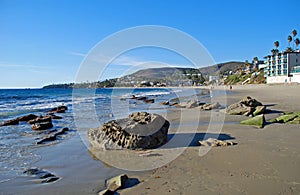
point(230, 87)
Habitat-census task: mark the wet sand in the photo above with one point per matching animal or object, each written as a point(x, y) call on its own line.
point(265, 161)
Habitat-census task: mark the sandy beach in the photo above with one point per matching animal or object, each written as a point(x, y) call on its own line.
point(265, 161)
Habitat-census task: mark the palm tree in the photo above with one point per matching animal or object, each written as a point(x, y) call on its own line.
point(290, 39)
point(294, 33)
point(297, 42)
point(276, 44)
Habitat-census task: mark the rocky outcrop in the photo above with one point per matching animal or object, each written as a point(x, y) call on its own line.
point(59, 109)
point(247, 106)
point(40, 119)
point(10, 122)
point(27, 117)
point(141, 130)
point(42, 125)
point(258, 121)
point(52, 136)
point(42, 175)
point(215, 143)
point(289, 118)
point(211, 106)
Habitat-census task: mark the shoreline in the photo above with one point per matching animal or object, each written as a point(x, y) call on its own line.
point(264, 160)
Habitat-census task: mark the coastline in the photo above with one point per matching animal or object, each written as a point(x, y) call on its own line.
point(264, 160)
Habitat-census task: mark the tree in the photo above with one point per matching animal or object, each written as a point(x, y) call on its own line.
point(297, 42)
point(294, 33)
point(290, 39)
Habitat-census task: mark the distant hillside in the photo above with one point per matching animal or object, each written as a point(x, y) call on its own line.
point(162, 73)
point(222, 67)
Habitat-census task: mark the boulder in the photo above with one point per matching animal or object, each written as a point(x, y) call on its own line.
point(259, 110)
point(42, 125)
point(45, 176)
point(141, 130)
point(40, 119)
point(27, 117)
point(248, 101)
point(165, 103)
point(52, 136)
point(258, 121)
point(247, 106)
point(10, 122)
point(192, 104)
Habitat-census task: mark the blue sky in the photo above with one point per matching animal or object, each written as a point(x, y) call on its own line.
point(45, 41)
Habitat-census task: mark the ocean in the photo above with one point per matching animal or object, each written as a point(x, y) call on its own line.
point(18, 142)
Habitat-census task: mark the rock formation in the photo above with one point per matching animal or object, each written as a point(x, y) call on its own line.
point(215, 143)
point(247, 106)
point(141, 130)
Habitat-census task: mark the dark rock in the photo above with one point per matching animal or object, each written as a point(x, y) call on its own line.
point(10, 122)
point(40, 119)
point(27, 117)
point(149, 101)
point(141, 98)
point(248, 101)
point(59, 109)
point(53, 116)
point(42, 126)
point(52, 136)
point(140, 130)
point(165, 103)
point(42, 174)
point(50, 180)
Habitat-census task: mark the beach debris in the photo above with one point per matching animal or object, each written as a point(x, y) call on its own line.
point(59, 109)
point(10, 122)
point(210, 106)
point(45, 176)
point(140, 130)
point(52, 136)
point(247, 106)
point(42, 125)
point(258, 121)
point(215, 142)
point(27, 117)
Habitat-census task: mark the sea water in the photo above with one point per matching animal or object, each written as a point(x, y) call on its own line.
point(18, 142)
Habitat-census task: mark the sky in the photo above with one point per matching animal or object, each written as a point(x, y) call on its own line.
point(47, 41)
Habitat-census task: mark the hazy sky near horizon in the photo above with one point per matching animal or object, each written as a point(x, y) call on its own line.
point(45, 42)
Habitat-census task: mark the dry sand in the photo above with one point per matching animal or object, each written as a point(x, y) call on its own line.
point(265, 161)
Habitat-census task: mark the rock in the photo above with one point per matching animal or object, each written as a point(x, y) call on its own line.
point(42, 125)
point(248, 101)
point(141, 98)
point(46, 176)
point(192, 104)
point(215, 142)
point(117, 182)
point(10, 122)
point(238, 109)
point(52, 136)
point(259, 110)
point(27, 117)
point(53, 116)
point(59, 109)
point(149, 101)
point(165, 103)
point(285, 118)
point(40, 119)
point(106, 192)
point(140, 130)
point(258, 121)
point(211, 106)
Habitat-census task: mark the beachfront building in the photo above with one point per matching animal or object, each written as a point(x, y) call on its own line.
point(283, 67)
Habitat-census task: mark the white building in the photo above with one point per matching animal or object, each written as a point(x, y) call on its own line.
point(282, 67)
